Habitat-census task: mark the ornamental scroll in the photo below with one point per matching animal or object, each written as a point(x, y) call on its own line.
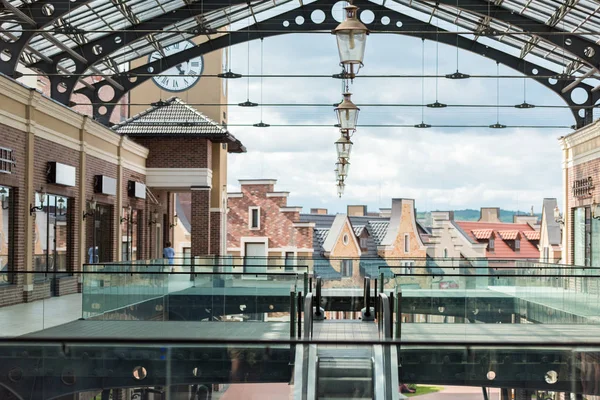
point(583, 187)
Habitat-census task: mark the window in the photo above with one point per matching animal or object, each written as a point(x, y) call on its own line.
point(129, 233)
point(445, 253)
point(346, 269)
point(99, 232)
point(345, 239)
point(546, 254)
point(290, 260)
point(491, 244)
point(517, 244)
point(254, 222)
point(6, 235)
point(52, 232)
point(363, 243)
point(406, 243)
point(579, 236)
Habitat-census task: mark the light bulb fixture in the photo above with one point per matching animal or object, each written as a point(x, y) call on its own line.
point(351, 38)
point(129, 213)
point(343, 146)
point(347, 113)
point(340, 188)
point(153, 218)
point(343, 165)
point(558, 217)
point(61, 205)
point(91, 208)
point(41, 198)
point(3, 194)
point(175, 220)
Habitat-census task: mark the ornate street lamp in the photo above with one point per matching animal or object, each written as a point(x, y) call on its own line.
point(343, 165)
point(340, 188)
point(343, 146)
point(347, 113)
point(351, 38)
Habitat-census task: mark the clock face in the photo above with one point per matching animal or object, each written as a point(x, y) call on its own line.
point(182, 76)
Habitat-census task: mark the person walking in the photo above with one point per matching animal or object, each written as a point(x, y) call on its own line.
point(169, 254)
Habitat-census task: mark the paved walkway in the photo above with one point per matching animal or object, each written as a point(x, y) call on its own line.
point(21, 319)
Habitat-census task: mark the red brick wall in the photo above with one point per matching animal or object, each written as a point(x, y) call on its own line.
point(581, 171)
point(274, 224)
point(177, 152)
point(46, 151)
point(200, 223)
point(140, 205)
point(215, 233)
point(15, 140)
point(96, 166)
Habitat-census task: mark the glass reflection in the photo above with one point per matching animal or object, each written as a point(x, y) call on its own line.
point(6, 221)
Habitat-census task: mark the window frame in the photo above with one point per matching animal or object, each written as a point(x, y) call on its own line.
point(346, 268)
point(491, 243)
point(406, 243)
point(250, 218)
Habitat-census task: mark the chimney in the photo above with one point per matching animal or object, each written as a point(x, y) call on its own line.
point(320, 211)
point(489, 214)
point(385, 212)
point(525, 219)
point(357, 211)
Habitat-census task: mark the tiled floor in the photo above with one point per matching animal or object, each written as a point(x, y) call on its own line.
point(24, 318)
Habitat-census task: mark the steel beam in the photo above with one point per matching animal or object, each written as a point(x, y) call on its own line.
point(272, 27)
point(584, 49)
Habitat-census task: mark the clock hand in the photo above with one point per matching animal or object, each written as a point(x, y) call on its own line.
point(180, 69)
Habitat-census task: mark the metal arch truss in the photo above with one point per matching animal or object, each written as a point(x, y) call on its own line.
point(129, 80)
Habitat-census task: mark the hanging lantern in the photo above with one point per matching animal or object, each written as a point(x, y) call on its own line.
point(351, 38)
point(343, 146)
point(342, 167)
point(347, 113)
point(340, 188)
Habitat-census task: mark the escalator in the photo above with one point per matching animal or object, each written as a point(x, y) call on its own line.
point(345, 374)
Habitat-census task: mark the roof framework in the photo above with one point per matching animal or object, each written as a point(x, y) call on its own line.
point(85, 45)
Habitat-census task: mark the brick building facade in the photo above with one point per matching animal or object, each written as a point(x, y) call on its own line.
point(57, 164)
point(581, 196)
point(259, 220)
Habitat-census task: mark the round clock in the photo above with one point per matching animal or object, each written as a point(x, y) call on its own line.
point(182, 76)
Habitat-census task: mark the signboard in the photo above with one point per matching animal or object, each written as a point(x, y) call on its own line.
point(61, 174)
point(583, 187)
point(105, 185)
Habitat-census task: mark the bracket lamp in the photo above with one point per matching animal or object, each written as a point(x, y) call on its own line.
point(91, 207)
point(41, 198)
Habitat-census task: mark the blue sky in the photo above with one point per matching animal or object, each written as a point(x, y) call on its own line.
point(441, 168)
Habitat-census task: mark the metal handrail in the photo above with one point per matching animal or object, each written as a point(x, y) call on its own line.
point(319, 283)
point(308, 317)
point(385, 315)
point(367, 297)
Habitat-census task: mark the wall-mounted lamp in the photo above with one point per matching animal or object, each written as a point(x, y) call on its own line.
point(596, 211)
point(174, 223)
point(91, 207)
point(558, 217)
point(41, 198)
point(3, 194)
point(154, 218)
point(60, 204)
point(128, 217)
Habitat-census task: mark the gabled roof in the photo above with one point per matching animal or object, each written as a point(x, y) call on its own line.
point(358, 229)
point(532, 235)
point(503, 232)
point(482, 234)
point(378, 230)
point(319, 236)
point(508, 235)
point(175, 118)
point(340, 221)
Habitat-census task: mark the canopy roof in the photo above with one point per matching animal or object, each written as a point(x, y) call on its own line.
point(98, 38)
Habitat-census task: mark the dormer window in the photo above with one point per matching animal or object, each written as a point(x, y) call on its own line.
point(491, 244)
point(517, 244)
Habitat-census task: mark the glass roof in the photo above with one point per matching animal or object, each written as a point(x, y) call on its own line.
point(99, 18)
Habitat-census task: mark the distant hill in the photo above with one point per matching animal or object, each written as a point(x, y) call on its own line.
point(470, 215)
